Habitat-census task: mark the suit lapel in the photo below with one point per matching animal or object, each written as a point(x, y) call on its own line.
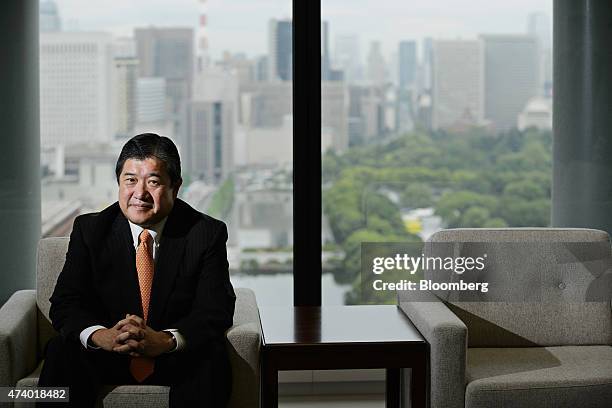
point(124, 266)
point(171, 249)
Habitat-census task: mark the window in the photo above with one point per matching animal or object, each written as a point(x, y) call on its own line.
point(430, 120)
point(216, 77)
point(426, 121)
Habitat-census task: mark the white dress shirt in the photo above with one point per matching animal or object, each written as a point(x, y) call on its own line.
point(156, 232)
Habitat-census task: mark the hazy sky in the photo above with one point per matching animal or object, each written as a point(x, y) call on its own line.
point(241, 25)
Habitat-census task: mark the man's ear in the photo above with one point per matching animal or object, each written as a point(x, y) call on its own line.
point(176, 187)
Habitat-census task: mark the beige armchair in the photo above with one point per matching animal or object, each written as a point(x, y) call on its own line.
point(25, 329)
point(554, 352)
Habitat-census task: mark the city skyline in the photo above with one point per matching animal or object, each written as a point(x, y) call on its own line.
point(241, 26)
point(391, 79)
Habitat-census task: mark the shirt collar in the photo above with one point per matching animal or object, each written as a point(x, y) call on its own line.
point(155, 231)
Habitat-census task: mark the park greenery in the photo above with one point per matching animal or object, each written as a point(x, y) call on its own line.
point(471, 179)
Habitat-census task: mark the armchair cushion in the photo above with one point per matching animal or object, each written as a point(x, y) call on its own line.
point(123, 396)
point(539, 377)
point(17, 337)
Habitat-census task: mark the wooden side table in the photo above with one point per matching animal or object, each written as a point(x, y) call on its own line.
point(343, 337)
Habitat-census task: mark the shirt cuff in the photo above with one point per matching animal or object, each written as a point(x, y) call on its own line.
point(86, 334)
point(178, 339)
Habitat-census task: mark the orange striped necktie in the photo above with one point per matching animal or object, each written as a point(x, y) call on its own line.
point(142, 367)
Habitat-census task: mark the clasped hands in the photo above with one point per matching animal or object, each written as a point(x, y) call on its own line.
point(132, 336)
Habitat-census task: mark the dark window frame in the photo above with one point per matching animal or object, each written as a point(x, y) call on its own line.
point(307, 212)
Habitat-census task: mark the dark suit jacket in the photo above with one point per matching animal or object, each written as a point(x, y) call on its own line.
point(191, 289)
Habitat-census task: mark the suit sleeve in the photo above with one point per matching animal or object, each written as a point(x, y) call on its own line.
point(71, 303)
point(213, 307)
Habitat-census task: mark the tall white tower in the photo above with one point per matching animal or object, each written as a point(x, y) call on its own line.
point(202, 36)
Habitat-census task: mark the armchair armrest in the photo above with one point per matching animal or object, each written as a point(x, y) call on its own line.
point(18, 336)
point(244, 343)
point(447, 337)
point(245, 340)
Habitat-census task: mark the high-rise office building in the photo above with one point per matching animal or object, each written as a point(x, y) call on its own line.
point(124, 47)
point(261, 68)
point(270, 146)
point(75, 88)
point(538, 25)
point(125, 74)
point(511, 77)
point(366, 110)
point(280, 50)
point(393, 69)
point(211, 143)
point(347, 57)
point(49, 19)
point(426, 71)
point(212, 122)
point(334, 114)
point(407, 64)
point(151, 100)
point(245, 68)
point(376, 65)
point(405, 108)
point(168, 53)
point(458, 83)
point(126, 77)
point(265, 104)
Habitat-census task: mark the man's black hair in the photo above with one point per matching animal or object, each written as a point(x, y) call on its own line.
point(148, 145)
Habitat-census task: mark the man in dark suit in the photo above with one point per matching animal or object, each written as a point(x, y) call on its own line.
point(144, 295)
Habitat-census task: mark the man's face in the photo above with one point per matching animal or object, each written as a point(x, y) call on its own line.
point(146, 195)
